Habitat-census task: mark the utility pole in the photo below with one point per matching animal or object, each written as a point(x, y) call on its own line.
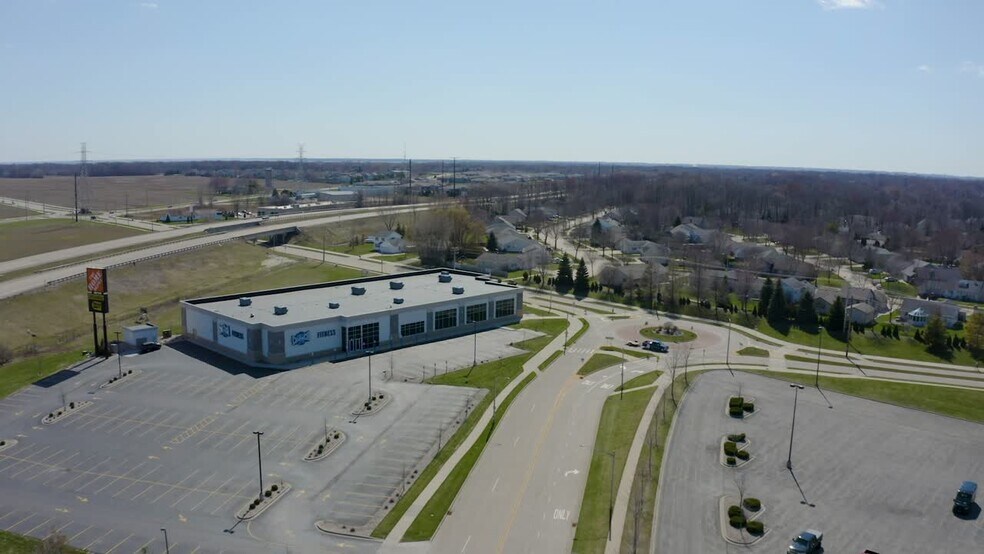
point(259, 461)
point(454, 173)
point(75, 182)
point(819, 347)
point(300, 163)
point(611, 495)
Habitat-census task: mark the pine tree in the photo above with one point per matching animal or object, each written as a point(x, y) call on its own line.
point(806, 315)
point(581, 282)
point(935, 335)
point(491, 244)
point(777, 306)
point(677, 221)
point(565, 276)
point(765, 296)
point(835, 321)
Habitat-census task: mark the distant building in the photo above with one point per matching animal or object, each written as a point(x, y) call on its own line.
point(917, 312)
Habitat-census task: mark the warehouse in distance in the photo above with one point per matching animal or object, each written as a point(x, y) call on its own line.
point(345, 319)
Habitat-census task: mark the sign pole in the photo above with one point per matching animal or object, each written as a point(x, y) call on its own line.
point(95, 335)
point(105, 337)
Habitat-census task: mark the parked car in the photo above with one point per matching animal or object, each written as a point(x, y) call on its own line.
point(807, 542)
point(646, 343)
point(657, 346)
point(149, 347)
point(964, 500)
point(632, 343)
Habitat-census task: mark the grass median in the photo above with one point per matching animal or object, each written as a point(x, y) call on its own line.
point(553, 357)
point(640, 381)
point(619, 420)
point(754, 351)
point(490, 375)
point(598, 362)
point(584, 329)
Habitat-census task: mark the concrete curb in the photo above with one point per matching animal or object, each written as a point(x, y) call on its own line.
point(65, 412)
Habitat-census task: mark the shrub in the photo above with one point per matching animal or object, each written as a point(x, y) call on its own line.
point(267, 494)
point(748, 406)
point(756, 527)
point(739, 437)
point(50, 415)
point(735, 401)
point(730, 460)
point(730, 448)
point(368, 408)
point(71, 405)
point(3, 443)
point(742, 454)
point(737, 522)
point(275, 488)
point(380, 396)
point(753, 504)
point(336, 436)
point(735, 511)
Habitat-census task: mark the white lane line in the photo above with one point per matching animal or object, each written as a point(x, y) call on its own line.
point(468, 540)
point(496, 484)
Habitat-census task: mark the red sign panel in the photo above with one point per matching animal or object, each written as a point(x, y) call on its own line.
point(95, 280)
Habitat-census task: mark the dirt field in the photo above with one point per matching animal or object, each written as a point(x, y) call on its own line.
point(59, 317)
point(26, 238)
point(107, 193)
point(8, 212)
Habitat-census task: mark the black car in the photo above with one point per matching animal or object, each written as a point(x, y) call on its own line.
point(965, 497)
point(657, 346)
point(149, 347)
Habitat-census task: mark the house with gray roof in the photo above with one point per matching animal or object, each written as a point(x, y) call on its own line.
point(917, 312)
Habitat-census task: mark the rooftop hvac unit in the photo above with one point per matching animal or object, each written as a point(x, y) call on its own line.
point(457, 290)
point(333, 305)
point(398, 301)
point(444, 277)
point(245, 301)
point(396, 285)
point(358, 291)
point(279, 310)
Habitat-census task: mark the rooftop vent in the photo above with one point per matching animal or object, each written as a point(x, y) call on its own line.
point(398, 301)
point(444, 277)
point(245, 301)
point(333, 305)
point(358, 291)
point(279, 310)
point(457, 290)
point(396, 285)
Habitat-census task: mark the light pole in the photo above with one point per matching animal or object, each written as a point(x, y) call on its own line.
point(167, 546)
point(370, 375)
point(621, 389)
point(474, 342)
point(819, 346)
point(611, 494)
point(789, 459)
point(259, 460)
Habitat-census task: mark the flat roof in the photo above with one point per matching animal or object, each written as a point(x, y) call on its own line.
point(311, 302)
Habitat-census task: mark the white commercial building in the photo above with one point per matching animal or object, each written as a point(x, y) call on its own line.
point(343, 319)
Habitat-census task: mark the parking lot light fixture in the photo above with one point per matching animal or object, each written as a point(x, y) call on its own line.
point(370, 375)
point(259, 461)
point(789, 459)
point(167, 545)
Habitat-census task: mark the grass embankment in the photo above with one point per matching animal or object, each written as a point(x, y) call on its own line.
point(9, 212)
point(396, 257)
point(619, 421)
point(598, 362)
point(339, 234)
point(12, 543)
point(869, 343)
point(968, 374)
point(633, 353)
point(360, 249)
point(754, 351)
point(832, 280)
point(899, 287)
point(533, 310)
point(426, 524)
point(27, 238)
point(546, 363)
point(637, 530)
point(584, 329)
point(59, 318)
point(654, 333)
point(640, 381)
point(949, 401)
point(494, 374)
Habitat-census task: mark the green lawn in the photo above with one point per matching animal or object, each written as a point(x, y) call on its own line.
point(899, 287)
point(584, 329)
point(754, 351)
point(954, 402)
point(633, 353)
point(546, 363)
point(619, 420)
point(646, 478)
point(832, 280)
point(640, 381)
point(11, 543)
point(533, 310)
point(360, 249)
point(9, 212)
point(653, 333)
point(496, 373)
point(598, 362)
point(618, 317)
point(396, 257)
point(26, 238)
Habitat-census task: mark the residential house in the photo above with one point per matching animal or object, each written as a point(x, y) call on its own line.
point(515, 217)
point(917, 312)
point(824, 298)
point(494, 262)
point(934, 280)
point(647, 250)
point(794, 288)
point(775, 262)
point(629, 276)
point(388, 242)
point(861, 313)
point(688, 232)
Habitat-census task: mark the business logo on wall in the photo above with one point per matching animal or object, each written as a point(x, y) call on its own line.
point(225, 330)
point(297, 339)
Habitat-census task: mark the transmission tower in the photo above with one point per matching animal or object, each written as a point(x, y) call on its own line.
point(300, 163)
point(83, 202)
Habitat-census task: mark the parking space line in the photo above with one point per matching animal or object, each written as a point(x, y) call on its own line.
point(349, 503)
point(21, 459)
point(140, 480)
point(119, 477)
point(86, 547)
point(139, 419)
point(44, 461)
point(244, 439)
point(202, 501)
point(227, 500)
point(62, 527)
point(369, 495)
point(77, 535)
point(89, 471)
point(36, 527)
point(110, 419)
point(147, 544)
point(377, 485)
point(117, 545)
point(286, 437)
point(25, 518)
point(163, 425)
point(221, 431)
point(132, 420)
point(196, 488)
point(174, 486)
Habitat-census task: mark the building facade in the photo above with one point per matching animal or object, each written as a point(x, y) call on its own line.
point(344, 319)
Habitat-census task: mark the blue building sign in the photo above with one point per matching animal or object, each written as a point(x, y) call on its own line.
point(299, 338)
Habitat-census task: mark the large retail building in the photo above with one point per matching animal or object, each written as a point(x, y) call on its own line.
point(342, 319)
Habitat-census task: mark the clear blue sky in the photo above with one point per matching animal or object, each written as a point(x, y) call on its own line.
point(855, 84)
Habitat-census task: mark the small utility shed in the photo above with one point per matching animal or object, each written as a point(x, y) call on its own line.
point(135, 335)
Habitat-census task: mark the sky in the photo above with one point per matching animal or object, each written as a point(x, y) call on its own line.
point(887, 85)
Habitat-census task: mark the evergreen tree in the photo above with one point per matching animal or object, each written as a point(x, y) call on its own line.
point(565, 276)
point(835, 321)
point(974, 331)
point(935, 335)
point(806, 315)
point(596, 232)
point(765, 296)
point(677, 221)
point(581, 283)
point(777, 306)
point(491, 244)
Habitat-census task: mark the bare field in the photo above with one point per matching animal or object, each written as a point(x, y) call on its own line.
point(26, 238)
point(8, 212)
point(108, 193)
point(339, 234)
point(59, 318)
